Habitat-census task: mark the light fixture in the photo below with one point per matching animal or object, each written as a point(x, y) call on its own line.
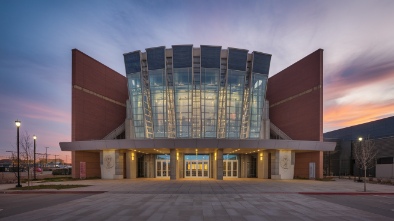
point(18, 124)
point(34, 166)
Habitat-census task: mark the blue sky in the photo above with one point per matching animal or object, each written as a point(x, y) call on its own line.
point(37, 37)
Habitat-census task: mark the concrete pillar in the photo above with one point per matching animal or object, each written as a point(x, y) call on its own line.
point(219, 164)
point(174, 165)
point(107, 164)
point(151, 158)
point(213, 165)
point(131, 164)
point(283, 164)
point(181, 164)
point(262, 165)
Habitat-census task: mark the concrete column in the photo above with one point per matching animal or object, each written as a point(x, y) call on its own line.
point(151, 165)
point(181, 165)
point(284, 164)
point(219, 164)
point(214, 166)
point(173, 165)
point(107, 164)
point(262, 165)
point(131, 165)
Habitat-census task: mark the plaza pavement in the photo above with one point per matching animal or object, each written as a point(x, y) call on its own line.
point(209, 199)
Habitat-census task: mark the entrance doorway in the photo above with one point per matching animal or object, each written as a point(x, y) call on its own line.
point(196, 166)
point(230, 166)
point(162, 166)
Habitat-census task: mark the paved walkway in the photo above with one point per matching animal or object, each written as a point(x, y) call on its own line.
point(208, 199)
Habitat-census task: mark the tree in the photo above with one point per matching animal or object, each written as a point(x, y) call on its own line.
point(26, 152)
point(365, 152)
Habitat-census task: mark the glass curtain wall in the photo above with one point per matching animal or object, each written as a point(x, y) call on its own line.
point(235, 90)
point(158, 90)
point(259, 83)
point(135, 94)
point(183, 101)
point(209, 100)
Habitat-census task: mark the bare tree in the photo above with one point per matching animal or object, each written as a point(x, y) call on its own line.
point(365, 152)
point(26, 152)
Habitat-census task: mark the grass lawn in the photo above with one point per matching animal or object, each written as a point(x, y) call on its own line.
point(57, 179)
point(52, 186)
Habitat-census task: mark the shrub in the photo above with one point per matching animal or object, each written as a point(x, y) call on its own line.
point(64, 171)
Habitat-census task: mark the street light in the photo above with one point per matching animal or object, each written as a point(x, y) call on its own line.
point(18, 124)
point(34, 138)
point(359, 175)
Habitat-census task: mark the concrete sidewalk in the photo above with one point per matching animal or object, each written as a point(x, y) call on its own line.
point(208, 199)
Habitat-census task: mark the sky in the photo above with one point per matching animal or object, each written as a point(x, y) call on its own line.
point(36, 38)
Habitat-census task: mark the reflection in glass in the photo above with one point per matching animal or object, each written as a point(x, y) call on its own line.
point(209, 100)
point(235, 90)
point(135, 94)
point(258, 88)
point(158, 90)
point(183, 101)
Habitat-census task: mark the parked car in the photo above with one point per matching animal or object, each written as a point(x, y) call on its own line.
point(38, 169)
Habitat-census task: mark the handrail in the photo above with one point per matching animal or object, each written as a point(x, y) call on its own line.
point(113, 134)
point(279, 132)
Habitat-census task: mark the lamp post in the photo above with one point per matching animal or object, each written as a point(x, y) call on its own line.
point(34, 166)
point(18, 124)
point(360, 139)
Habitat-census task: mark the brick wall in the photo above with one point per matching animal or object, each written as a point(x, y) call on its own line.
point(296, 107)
point(92, 160)
point(99, 96)
point(296, 98)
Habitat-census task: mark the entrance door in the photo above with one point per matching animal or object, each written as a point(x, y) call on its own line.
point(196, 166)
point(162, 168)
point(230, 168)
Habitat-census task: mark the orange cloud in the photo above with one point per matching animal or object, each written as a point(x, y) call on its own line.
point(352, 114)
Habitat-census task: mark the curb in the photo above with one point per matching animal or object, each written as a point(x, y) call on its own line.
point(53, 192)
point(345, 193)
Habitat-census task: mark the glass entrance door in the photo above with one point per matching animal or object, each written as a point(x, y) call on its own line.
point(230, 166)
point(196, 166)
point(162, 166)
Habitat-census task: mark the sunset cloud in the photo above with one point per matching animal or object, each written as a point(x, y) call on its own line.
point(37, 38)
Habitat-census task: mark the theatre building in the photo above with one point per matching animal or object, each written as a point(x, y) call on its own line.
point(197, 112)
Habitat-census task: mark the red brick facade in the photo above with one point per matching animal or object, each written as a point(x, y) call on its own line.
point(98, 94)
point(300, 116)
point(296, 107)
